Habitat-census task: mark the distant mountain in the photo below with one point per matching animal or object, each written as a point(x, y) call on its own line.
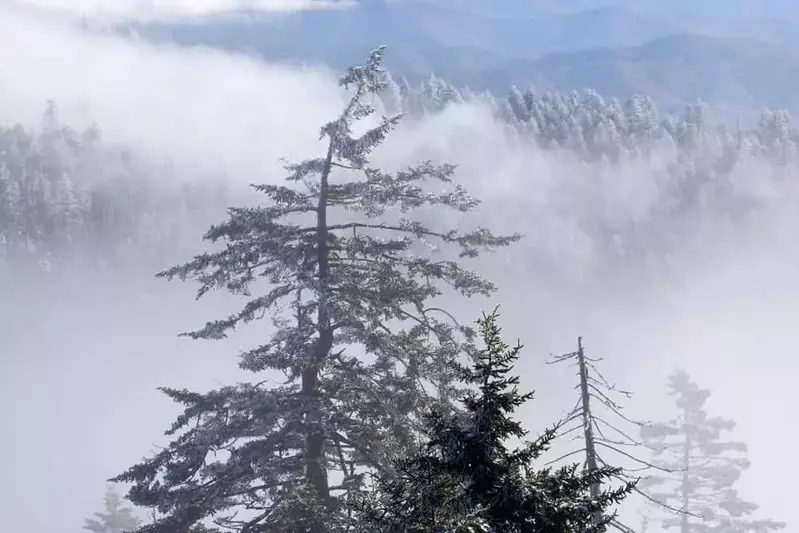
point(613, 50)
point(420, 34)
point(712, 9)
point(772, 21)
point(671, 70)
point(584, 30)
point(672, 10)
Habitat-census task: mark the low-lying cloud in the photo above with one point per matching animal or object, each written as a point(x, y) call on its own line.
point(190, 101)
point(122, 10)
point(78, 382)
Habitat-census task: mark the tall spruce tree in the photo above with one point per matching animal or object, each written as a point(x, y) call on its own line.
point(705, 465)
point(348, 275)
point(115, 518)
point(465, 478)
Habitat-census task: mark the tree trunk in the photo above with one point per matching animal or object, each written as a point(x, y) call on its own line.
point(588, 430)
point(685, 526)
point(315, 470)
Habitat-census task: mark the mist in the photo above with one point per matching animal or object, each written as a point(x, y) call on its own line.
point(99, 11)
point(80, 362)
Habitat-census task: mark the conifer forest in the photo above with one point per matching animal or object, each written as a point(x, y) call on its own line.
point(257, 291)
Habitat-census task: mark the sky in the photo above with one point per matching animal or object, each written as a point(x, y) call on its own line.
point(80, 363)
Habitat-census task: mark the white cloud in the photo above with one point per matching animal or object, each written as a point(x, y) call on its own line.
point(155, 97)
point(109, 10)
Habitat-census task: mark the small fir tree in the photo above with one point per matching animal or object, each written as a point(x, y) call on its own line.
point(116, 517)
point(466, 477)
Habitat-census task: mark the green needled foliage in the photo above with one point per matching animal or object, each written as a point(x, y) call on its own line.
point(465, 478)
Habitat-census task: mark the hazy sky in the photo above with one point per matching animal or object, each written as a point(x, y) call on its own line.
point(80, 364)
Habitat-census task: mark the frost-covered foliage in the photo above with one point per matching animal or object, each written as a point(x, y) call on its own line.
point(68, 200)
point(597, 128)
point(66, 197)
point(466, 478)
point(338, 262)
point(705, 467)
point(707, 162)
point(115, 518)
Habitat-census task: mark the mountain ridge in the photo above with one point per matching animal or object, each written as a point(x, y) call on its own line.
point(673, 69)
point(615, 51)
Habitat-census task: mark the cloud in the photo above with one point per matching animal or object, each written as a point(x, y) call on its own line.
point(110, 10)
point(79, 372)
point(153, 97)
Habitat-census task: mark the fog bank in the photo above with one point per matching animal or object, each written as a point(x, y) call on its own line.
point(80, 363)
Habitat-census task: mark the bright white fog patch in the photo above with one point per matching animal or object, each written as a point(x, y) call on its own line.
point(110, 10)
point(203, 109)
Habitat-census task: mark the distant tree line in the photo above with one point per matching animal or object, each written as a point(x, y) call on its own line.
point(597, 128)
point(68, 198)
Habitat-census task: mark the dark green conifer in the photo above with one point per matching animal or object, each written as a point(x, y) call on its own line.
point(465, 477)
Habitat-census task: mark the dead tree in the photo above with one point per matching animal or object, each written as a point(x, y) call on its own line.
point(602, 436)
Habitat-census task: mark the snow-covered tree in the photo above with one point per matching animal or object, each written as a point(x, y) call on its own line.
point(67, 197)
point(116, 517)
point(518, 104)
point(9, 203)
point(705, 466)
point(437, 94)
point(121, 199)
point(350, 287)
point(392, 96)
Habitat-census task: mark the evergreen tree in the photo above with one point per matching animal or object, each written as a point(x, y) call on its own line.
point(116, 518)
point(705, 466)
point(392, 96)
point(346, 270)
point(518, 104)
point(9, 203)
point(66, 195)
point(467, 478)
